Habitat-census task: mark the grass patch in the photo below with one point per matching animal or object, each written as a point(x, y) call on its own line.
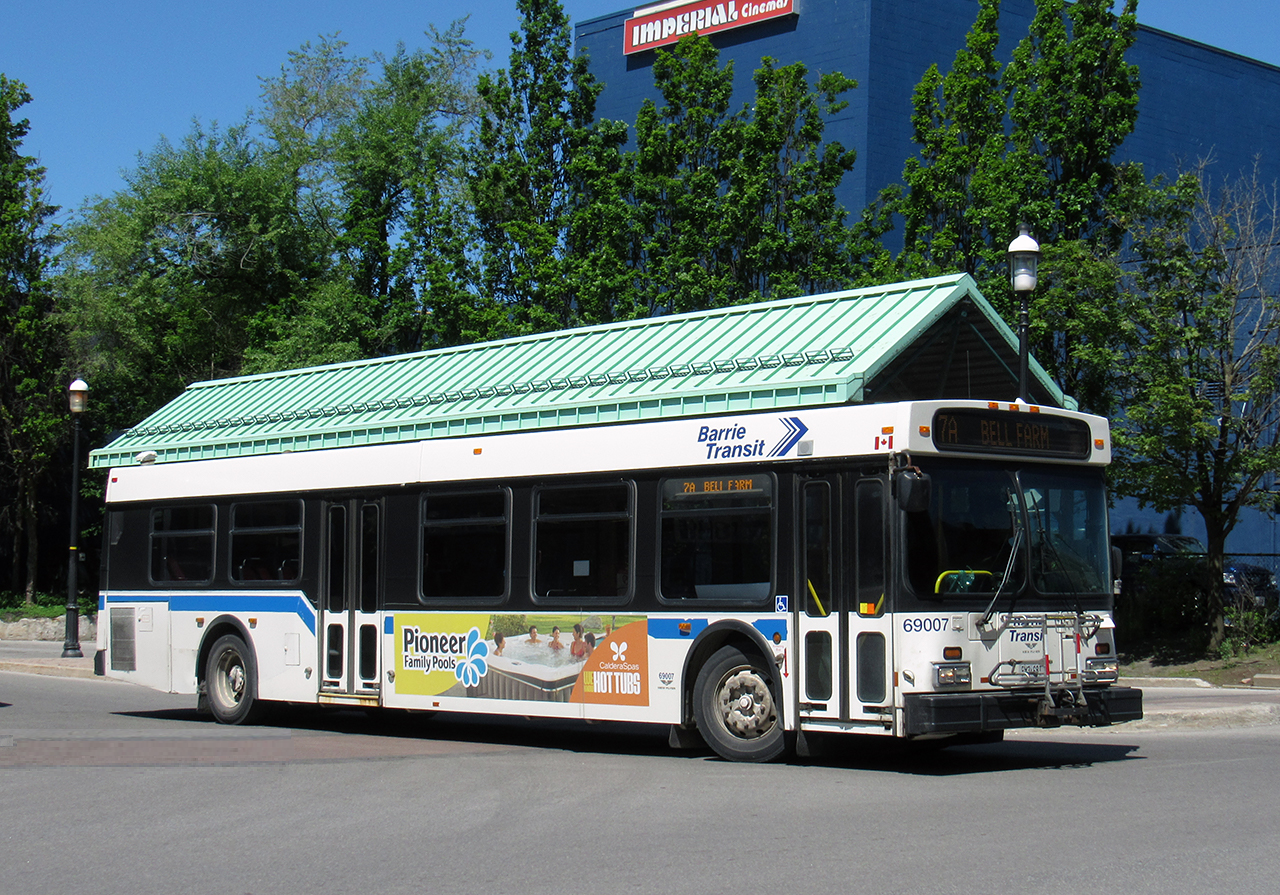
point(1230, 671)
point(12, 607)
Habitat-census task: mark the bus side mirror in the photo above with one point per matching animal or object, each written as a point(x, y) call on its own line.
point(913, 490)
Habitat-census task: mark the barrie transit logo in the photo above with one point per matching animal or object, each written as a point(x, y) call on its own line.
point(732, 442)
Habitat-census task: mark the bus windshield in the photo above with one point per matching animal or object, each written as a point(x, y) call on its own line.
point(1009, 529)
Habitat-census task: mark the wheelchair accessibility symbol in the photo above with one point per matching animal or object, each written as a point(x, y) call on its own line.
point(780, 604)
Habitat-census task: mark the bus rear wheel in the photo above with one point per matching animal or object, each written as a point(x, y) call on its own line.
point(231, 681)
point(734, 706)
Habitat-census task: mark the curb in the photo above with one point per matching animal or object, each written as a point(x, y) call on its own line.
point(81, 668)
point(1166, 682)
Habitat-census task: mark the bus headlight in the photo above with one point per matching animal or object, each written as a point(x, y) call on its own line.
point(1103, 671)
point(952, 674)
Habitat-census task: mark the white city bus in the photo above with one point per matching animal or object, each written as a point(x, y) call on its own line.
point(922, 569)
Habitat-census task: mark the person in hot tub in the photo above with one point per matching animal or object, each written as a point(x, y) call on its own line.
point(499, 642)
point(533, 635)
point(578, 647)
point(555, 643)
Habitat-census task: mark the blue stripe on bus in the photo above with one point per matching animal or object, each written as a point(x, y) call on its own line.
point(232, 603)
point(389, 625)
point(669, 628)
point(772, 626)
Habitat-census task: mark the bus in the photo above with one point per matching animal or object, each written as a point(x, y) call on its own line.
point(920, 570)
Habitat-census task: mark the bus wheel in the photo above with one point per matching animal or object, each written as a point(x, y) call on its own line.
point(231, 680)
point(734, 706)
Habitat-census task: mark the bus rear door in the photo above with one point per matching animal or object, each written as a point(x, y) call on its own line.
point(349, 616)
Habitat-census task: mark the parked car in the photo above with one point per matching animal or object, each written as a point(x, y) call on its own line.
point(1244, 584)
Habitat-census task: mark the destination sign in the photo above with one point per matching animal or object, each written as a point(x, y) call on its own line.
point(1006, 432)
point(701, 486)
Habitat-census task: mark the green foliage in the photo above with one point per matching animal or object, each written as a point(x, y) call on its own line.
point(959, 196)
point(1166, 606)
point(32, 416)
point(1032, 142)
point(1198, 368)
point(537, 123)
point(507, 626)
point(738, 206)
point(15, 606)
point(163, 282)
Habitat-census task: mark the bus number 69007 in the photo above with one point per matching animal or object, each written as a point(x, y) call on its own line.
point(924, 624)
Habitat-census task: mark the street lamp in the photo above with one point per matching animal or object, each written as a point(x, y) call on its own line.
point(1024, 256)
point(78, 395)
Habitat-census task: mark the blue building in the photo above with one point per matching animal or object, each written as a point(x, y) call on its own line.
point(1196, 101)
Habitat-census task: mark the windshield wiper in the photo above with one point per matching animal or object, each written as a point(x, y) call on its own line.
point(1004, 579)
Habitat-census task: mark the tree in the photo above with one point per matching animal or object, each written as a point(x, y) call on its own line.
point(733, 206)
point(1030, 143)
point(388, 182)
point(1199, 370)
point(166, 282)
point(537, 135)
point(31, 360)
point(958, 191)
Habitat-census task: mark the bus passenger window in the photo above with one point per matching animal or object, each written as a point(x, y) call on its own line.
point(717, 538)
point(266, 541)
point(582, 543)
point(182, 545)
point(464, 545)
point(819, 601)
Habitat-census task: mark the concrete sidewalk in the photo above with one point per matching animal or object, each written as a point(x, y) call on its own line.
point(45, 657)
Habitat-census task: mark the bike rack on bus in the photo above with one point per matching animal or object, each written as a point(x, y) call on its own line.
point(1069, 700)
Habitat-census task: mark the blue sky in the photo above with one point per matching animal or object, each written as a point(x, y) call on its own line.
point(108, 79)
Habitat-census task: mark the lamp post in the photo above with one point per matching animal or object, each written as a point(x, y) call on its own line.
point(1024, 256)
point(78, 395)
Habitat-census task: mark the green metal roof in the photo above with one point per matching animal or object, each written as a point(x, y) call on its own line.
point(797, 352)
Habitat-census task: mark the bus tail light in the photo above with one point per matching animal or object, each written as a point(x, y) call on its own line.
point(952, 653)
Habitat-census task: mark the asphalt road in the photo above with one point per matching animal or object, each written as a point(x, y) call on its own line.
point(110, 788)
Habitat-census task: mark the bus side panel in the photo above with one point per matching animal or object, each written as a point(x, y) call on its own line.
point(286, 651)
point(138, 647)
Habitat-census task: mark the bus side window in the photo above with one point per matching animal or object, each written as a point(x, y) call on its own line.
point(869, 497)
point(266, 541)
point(582, 542)
point(818, 598)
point(182, 542)
point(465, 544)
point(717, 538)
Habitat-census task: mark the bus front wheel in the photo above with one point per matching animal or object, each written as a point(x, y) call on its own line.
point(734, 706)
point(231, 681)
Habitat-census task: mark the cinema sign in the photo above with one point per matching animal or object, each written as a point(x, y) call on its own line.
point(658, 26)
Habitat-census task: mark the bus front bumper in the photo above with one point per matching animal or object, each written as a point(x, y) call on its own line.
point(974, 712)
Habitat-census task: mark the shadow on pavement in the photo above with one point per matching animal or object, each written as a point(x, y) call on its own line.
point(854, 752)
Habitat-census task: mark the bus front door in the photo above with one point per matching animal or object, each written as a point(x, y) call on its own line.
point(350, 641)
point(841, 621)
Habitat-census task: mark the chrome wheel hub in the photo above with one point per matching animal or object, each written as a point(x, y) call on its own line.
point(745, 704)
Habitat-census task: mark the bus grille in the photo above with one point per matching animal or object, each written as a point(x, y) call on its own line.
point(124, 654)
